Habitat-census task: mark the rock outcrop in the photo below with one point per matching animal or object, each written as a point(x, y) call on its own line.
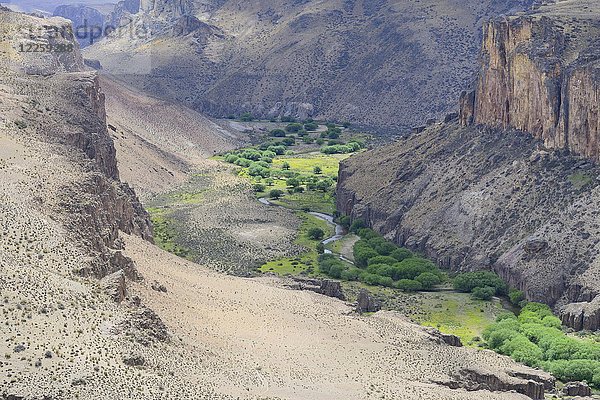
point(540, 73)
point(580, 389)
point(582, 316)
point(366, 302)
point(325, 287)
point(477, 379)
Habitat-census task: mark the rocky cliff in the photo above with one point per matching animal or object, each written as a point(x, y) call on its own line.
point(62, 107)
point(540, 73)
point(505, 186)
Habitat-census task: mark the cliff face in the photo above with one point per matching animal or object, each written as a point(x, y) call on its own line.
point(62, 109)
point(541, 74)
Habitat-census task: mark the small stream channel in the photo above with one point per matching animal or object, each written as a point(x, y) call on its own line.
point(340, 232)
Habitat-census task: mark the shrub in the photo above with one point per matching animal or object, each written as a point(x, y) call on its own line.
point(287, 118)
point(522, 350)
point(277, 149)
point(428, 280)
point(311, 126)
point(317, 170)
point(247, 117)
point(275, 194)
point(293, 128)
point(259, 187)
point(575, 370)
point(277, 133)
point(408, 285)
point(516, 296)
point(316, 233)
point(483, 293)
point(351, 274)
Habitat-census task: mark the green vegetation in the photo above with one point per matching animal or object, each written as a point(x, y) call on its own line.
point(457, 314)
point(164, 233)
point(482, 284)
point(580, 180)
point(302, 181)
point(535, 338)
point(305, 262)
point(382, 263)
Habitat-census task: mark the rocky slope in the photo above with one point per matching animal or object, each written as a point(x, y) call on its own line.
point(386, 64)
point(495, 197)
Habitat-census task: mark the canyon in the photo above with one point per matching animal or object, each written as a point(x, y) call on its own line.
point(93, 309)
point(509, 183)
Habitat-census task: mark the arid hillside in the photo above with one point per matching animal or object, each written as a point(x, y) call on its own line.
point(92, 309)
point(386, 64)
point(487, 196)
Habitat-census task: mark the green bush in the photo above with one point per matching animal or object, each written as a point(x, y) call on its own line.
point(468, 281)
point(293, 128)
point(428, 280)
point(483, 293)
point(516, 296)
point(408, 285)
point(316, 233)
point(275, 194)
point(247, 117)
point(381, 260)
point(362, 254)
point(401, 254)
point(277, 133)
point(311, 126)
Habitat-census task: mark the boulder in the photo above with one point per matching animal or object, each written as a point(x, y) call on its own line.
point(439, 337)
point(367, 303)
point(577, 389)
point(115, 286)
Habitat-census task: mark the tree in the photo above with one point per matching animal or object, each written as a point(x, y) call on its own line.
point(277, 133)
point(470, 280)
point(285, 165)
point(293, 182)
point(316, 233)
point(401, 254)
point(275, 194)
point(428, 280)
point(259, 187)
point(246, 117)
point(293, 128)
point(484, 293)
point(311, 126)
point(317, 170)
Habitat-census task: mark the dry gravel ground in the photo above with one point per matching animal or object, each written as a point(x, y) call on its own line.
point(252, 339)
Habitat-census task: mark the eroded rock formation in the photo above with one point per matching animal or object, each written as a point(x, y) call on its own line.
point(541, 74)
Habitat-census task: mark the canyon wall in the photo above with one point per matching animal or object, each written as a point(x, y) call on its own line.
point(62, 110)
point(511, 184)
point(541, 74)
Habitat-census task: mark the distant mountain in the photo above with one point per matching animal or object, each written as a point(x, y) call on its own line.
point(384, 64)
